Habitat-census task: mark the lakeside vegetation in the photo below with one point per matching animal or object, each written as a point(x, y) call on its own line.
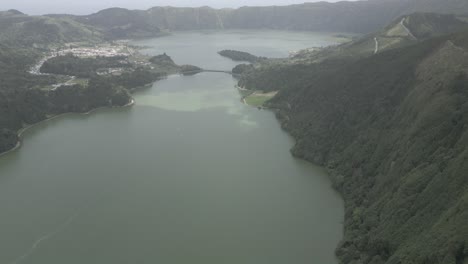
point(390, 128)
point(258, 99)
point(240, 56)
point(242, 68)
point(69, 83)
point(82, 67)
point(165, 64)
point(27, 98)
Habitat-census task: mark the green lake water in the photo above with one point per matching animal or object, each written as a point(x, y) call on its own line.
point(187, 175)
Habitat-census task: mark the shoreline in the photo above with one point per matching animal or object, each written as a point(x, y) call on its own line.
point(132, 102)
point(21, 131)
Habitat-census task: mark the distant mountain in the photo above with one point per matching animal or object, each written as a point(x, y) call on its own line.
point(359, 17)
point(435, 6)
point(405, 30)
point(119, 23)
point(19, 30)
point(14, 12)
point(391, 129)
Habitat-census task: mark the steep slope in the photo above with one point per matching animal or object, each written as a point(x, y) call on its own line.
point(119, 23)
point(391, 129)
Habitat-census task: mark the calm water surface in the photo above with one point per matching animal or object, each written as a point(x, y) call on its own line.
point(187, 175)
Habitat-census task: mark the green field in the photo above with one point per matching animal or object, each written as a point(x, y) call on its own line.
point(258, 99)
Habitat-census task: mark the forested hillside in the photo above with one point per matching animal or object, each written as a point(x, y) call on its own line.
point(17, 29)
point(391, 129)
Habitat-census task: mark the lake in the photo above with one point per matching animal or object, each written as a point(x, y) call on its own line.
point(187, 175)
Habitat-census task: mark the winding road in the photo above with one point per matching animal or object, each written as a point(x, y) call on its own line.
point(376, 45)
point(402, 23)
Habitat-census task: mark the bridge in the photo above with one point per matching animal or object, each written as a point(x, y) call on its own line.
point(207, 70)
point(228, 72)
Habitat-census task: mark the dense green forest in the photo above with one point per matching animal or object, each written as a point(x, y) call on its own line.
point(242, 68)
point(22, 101)
point(137, 78)
point(239, 55)
point(164, 63)
point(391, 129)
point(82, 67)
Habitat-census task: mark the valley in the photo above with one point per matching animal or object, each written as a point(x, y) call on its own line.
point(198, 168)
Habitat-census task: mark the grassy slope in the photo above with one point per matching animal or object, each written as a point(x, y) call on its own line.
point(258, 99)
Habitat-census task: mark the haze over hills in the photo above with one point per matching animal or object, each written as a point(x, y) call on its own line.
point(36, 31)
point(357, 17)
point(386, 113)
point(405, 30)
point(86, 7)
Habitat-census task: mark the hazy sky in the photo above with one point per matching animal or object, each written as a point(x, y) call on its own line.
point(35, 7)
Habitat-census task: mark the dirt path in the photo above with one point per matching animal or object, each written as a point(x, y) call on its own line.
point(402, 23)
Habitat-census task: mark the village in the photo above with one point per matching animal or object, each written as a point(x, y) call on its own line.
point(129, 54)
